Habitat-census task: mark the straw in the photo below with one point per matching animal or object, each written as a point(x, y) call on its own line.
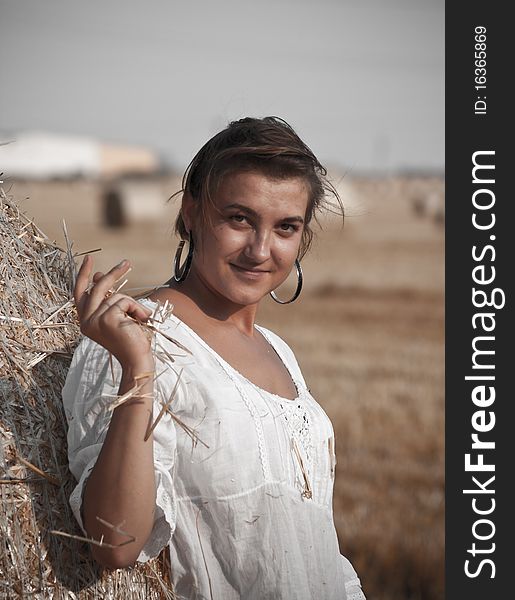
point(43, 553)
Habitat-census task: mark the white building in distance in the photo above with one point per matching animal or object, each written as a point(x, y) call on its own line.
point(39, 155)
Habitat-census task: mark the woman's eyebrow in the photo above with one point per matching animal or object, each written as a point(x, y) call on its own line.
point(294, 219)
point(252, 212)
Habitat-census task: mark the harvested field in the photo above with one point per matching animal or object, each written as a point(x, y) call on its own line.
point(368, 331)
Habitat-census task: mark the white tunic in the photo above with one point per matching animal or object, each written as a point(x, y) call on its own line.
point(244, 477)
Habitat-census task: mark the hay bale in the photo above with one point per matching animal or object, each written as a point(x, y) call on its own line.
point(38, 333)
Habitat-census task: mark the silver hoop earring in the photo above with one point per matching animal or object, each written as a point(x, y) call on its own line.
point(297, 291)
point(179, 274)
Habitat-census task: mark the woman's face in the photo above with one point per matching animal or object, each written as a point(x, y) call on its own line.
point(255, 235)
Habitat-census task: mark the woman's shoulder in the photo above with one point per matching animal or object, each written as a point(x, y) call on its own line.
point(177, 337)
point(170, 311)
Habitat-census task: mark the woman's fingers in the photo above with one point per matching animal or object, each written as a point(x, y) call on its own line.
point(102, 286)
point(99, 299)
point(82, 282)
point(123, 304)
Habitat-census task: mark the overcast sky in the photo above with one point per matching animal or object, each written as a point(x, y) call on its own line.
point(361, 81)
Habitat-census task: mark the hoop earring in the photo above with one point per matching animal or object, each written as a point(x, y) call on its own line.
point(297, 291)
point(180, 275)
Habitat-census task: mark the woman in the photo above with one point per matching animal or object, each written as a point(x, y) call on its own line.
point(237, 474)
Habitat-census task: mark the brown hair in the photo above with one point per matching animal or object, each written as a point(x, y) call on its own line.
point(269, 146)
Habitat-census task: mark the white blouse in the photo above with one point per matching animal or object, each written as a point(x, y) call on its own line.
point(244, 477)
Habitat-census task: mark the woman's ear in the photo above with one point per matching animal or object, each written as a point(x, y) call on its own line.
point(188, 211)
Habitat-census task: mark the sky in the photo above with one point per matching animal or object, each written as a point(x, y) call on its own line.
point(362, 82)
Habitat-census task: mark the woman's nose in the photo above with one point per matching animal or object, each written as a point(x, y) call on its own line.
point(258, 246)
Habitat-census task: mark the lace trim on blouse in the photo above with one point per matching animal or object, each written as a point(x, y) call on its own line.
point(299, 429)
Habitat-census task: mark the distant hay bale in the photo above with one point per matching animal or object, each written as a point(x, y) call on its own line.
point(429, 203)
point(131, 200)
point(38, 333)
point(113, 209)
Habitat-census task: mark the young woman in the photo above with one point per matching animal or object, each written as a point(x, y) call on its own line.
point(237, 475)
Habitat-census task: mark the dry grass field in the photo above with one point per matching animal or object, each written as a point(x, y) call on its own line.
point(368, 331)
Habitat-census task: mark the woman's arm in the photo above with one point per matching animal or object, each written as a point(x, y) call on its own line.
point(120, 489)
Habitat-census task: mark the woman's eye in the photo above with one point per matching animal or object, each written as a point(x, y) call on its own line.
point(289, 227)
point(238, 218)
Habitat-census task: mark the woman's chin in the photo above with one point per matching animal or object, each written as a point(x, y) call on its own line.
point(246, 297)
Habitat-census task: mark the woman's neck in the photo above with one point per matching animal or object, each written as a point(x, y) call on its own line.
point(194, 296)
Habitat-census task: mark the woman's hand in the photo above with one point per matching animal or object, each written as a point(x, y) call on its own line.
point(106, 318)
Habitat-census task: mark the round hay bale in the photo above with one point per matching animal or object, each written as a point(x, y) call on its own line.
point(38, 333)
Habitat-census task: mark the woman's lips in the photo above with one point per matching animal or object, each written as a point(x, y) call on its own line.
point(254, 273)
